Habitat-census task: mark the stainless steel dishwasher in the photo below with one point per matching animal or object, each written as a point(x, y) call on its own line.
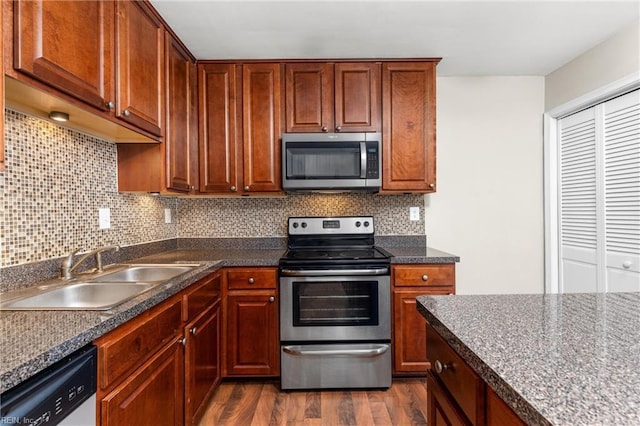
point(63, 394)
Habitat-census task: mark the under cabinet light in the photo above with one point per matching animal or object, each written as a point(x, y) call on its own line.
point(59, 116)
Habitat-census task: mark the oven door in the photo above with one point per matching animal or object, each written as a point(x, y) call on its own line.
point(338, 308)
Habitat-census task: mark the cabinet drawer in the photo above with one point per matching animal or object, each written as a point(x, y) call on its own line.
point(129, 345)
point(464, 385)
point(203, 295)
point(251, 278)
point(424, 275)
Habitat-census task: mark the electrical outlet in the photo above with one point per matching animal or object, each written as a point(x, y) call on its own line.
point(167, 215)
point(104, 218)
point(414, 213)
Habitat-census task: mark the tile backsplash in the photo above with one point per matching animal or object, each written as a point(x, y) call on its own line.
point(56, 180)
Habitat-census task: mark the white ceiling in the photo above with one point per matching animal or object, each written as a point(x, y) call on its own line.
point(473, 37)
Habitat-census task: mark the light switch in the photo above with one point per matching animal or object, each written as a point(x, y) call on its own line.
point(167, 215)
point(414, 213)
point(104, 218)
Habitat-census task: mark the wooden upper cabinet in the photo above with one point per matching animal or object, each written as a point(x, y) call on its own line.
point(327, 97)
point(140, 74)
point(2, 164)
point(67, 45)
point(262, 126)
point(180, 133)
point(408, 127)
point(220, 114)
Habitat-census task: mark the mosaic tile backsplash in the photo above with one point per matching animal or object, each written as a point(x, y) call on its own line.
point(56, 180)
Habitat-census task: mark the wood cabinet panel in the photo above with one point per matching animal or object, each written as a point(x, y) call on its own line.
point(357, 97)
point(424, 275)
point(202, 362)
point(124, 349)
point(441, 410)
point(464, 385)
point(220, 112)
point(252, 278)
point(201, 296)
point(499, 413)
point(181, 146)
point(262, 126)
point(309, 97)
point(153, 394)
point(67, 45)
point(408, 127)
point(140, 73)
point(2, 163)
point(253, 347)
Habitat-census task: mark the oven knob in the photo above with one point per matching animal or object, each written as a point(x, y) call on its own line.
point(295, 224)
point(366, 224)
point(358, 224)
point(304, 224)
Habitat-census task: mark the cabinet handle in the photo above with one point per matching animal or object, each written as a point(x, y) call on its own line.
point(425, 277)
point(194, 330)
point(126, 113)
point(246, 188)
point(183, 341)
point(251, 280)
point(233, 188)
point(432, 185)
point(626, 264)
point(440, 367)
point(338, 128)
point(110, 105)
point(324, 128)
point(272, 299)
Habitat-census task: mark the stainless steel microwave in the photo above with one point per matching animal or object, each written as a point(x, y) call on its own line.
point(331, 162)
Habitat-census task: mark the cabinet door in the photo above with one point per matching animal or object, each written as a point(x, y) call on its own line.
point(180, 143)
point(261, 97)
point(441, 410)
point(140, 72)
point(152, 395)
point(409, 334)
point(2, 165)
point(202, 362)
point(253, 346)
point(357, 97)
point(67, 45)
point(408, 127)
point(220, 115)
point(309, 97)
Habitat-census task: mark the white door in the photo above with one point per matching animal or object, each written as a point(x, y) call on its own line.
point(599, 197)
point(621, 118)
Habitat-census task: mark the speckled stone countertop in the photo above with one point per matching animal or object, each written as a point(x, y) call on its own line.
point(555, 359)
point(33, 340)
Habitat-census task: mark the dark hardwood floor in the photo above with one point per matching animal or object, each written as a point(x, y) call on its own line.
point(258, 403)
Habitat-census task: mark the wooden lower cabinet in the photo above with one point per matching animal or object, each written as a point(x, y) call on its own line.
point(202, 362)
point(152, 395)
point(456, 395)
point(409, 327)
point(252, 323)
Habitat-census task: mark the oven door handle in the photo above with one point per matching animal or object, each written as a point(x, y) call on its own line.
point(333, 272)
point(298, 351)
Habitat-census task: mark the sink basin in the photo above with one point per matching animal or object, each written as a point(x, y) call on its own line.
point(145, 273)
point(80, 296)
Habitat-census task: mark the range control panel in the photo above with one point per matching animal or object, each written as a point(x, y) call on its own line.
point(331, 225)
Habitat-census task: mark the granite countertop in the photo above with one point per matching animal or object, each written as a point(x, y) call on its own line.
point(32, 340)
point(554, 359)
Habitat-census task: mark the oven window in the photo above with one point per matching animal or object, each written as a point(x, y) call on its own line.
point(335, 303)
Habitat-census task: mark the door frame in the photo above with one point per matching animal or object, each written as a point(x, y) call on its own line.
point(551, 200)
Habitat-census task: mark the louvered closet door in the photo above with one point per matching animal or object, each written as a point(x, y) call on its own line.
point(578, 209)
point(621, 118)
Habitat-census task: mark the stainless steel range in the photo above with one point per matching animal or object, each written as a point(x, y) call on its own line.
point(335, 305)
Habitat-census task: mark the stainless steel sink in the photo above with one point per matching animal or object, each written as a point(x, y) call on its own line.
point(95, 291)
point(145, 273)
point(79, 296)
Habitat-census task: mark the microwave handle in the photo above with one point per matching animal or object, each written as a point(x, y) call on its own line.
point(363, 160)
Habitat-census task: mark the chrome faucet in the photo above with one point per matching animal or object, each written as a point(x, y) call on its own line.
point(68, 267)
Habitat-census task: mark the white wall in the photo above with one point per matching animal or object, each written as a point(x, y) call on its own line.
point(489, 204)
point(613, 59)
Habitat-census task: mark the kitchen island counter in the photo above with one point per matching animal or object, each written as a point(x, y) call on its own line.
point(554, 359)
